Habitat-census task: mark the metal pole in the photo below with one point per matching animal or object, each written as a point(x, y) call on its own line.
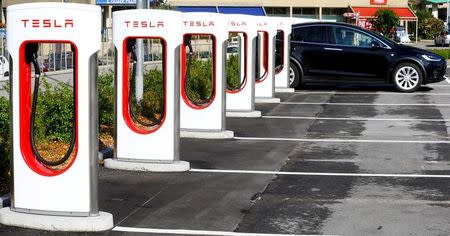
point(140, 4)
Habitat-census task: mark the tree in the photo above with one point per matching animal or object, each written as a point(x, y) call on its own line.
point(429, 27)
point(384, 22)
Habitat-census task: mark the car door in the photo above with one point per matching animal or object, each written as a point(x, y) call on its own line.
point(308, 45)
point(358, 56)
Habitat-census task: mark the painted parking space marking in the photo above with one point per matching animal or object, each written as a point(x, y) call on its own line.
point(192, 232)
point(367, 104)
point(354, 119)
point(317, 173)
point(376, 93)
point(447, 79)
point(343, 140)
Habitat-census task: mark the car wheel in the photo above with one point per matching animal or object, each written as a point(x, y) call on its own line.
point(294, 76)
point(407, 77)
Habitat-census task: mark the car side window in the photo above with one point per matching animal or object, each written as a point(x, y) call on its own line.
point(350, 37)
point(311, 34)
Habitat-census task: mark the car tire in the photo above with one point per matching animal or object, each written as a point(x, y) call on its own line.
point(407, 77)
point(294, 76)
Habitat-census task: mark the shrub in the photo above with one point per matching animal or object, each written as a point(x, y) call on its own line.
point(106, 102)
point(199, 87)
point(54, 112)
point(232, 68)
point(4, 139)
point(429, 28)
point(153, 98)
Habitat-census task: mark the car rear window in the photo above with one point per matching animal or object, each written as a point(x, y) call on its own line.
point(311, 34)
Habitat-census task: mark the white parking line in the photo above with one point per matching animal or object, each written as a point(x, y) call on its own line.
point(317, 173)
point(376, 93)
point(344, 140)
point(191, 232)
point(354, 119)
point(447, 79)
point(438, 85)
point(366, 104)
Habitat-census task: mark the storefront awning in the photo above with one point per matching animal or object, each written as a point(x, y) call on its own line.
point(256, 11)
point(197, 9)
point(436, 1)
point(405, 13)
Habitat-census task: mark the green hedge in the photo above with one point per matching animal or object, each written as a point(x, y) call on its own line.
point(232, 68)
point(54, 112)
point(106, 102)
point(4, 139)
point(443, 52)
point(199, 87)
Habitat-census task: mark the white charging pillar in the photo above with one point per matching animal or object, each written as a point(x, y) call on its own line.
point(206, 120)
point(265, 84)
point(153, 148)
point(43, 197)
point(241, 100)
point(283, 41)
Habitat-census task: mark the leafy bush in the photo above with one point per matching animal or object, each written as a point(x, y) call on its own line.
point(232, 67)
point(54, 112)
point(106, 102)
point(385, 20)
point(153, 98)
point(199, 87)
point(429, 28)
point(4, 139)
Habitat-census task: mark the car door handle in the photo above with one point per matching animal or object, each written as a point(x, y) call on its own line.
point(333, 49)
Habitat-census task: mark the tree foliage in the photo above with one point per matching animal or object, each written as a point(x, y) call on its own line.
point(429, 27)
point(384, 22)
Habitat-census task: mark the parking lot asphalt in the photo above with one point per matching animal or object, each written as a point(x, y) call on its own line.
point(339, 160)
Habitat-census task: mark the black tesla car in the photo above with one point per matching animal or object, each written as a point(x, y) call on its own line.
point(341, 52)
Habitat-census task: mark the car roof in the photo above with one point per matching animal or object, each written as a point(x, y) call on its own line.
point(324, 23)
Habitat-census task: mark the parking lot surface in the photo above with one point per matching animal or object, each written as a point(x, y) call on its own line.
point(327, 160)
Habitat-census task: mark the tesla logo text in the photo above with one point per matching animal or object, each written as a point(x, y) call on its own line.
point(237, 23)
point(198, 23)
point(144, 24)
point(47, 23)
point(262, 23)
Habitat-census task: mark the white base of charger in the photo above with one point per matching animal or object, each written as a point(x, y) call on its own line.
point(250, 114)
point(176, 166)
point(102, 222)
point(284, 90)
point(267, 100)
point(227, 134)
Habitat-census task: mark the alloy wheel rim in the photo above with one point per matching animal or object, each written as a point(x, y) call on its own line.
point(407, 78)
point(291, 75)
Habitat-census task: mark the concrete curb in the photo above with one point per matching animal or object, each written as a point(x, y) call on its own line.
point(102, 222)
point(249, 114)
point(177, 166)
point(284, 90)
point(5, 201)
point(207, 134)
point(267, 100)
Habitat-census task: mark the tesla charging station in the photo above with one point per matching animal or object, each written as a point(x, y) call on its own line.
point(282, 61)
point(203, 78)
point(47, 194)
point(240, 94)
point(265, 60)
point(147, 142)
